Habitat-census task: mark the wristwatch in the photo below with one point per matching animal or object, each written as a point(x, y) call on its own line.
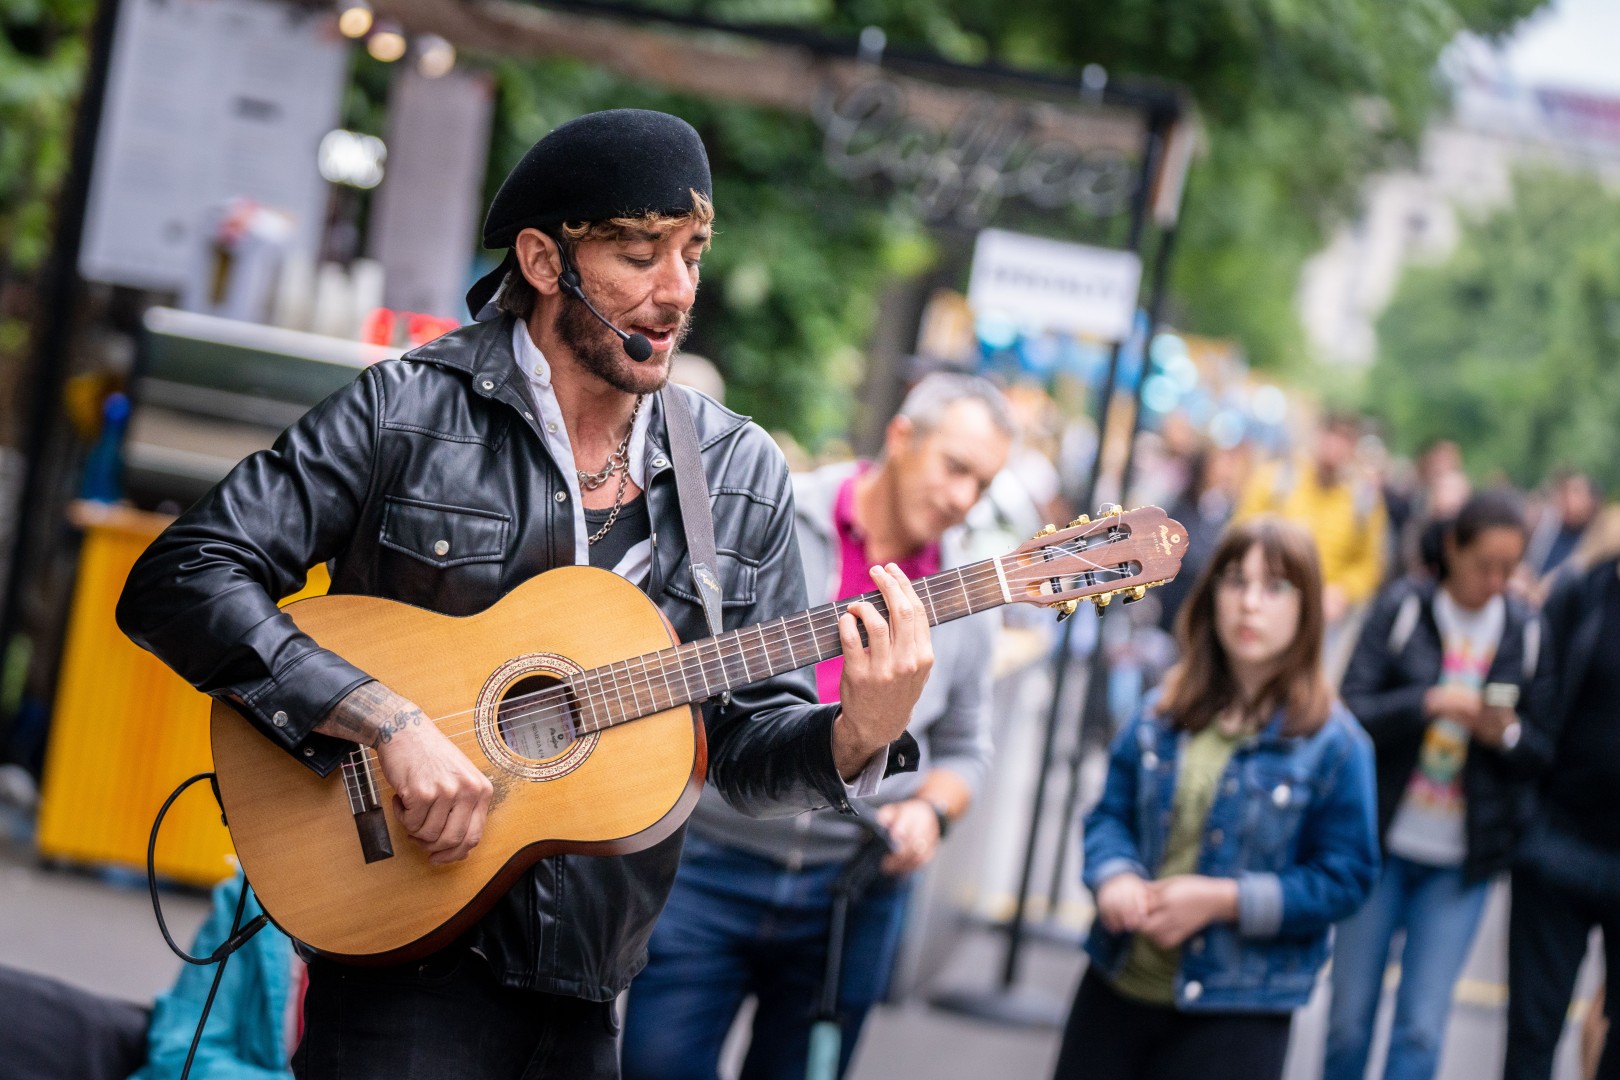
point(944, 818)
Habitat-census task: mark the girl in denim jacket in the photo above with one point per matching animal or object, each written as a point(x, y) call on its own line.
point(1236, 826)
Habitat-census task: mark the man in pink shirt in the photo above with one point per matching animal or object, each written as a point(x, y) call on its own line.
point(749, 912)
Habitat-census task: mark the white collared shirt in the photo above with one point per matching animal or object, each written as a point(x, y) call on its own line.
point(637, 562)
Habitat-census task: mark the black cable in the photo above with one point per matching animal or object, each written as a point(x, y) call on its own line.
point(238, 935)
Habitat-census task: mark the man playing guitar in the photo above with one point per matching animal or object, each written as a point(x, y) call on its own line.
point(527, 440)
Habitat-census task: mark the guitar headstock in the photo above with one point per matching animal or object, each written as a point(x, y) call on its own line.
point(1122, 553)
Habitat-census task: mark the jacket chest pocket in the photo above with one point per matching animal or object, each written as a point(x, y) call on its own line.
point(1275, 798)
point(443, 536)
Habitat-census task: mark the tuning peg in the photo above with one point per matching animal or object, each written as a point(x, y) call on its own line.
point(1065, 608)
point(1111, 510)
point(1046, 530)
point(1133, 595)
point(1083, 519)
point(1102, 600)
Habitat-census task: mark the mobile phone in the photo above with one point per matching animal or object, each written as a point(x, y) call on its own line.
point(1500, 695)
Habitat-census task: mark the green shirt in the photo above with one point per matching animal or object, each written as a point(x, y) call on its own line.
point(1150, 972)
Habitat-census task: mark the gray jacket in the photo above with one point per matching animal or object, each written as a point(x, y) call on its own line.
point(951, 720)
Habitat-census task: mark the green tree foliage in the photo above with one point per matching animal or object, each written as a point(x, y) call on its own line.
point(1302, 98)
point(1512, 346)
point(791, 285)
point(42, 57)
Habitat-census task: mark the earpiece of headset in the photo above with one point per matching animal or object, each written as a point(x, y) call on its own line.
point(568, 279)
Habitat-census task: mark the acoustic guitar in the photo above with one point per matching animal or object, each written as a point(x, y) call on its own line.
point(574, 697)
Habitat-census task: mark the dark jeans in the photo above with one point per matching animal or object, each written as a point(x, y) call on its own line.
point(1548, 927)
point(737, 924)
point(448, 1017)
point(1112, 1037)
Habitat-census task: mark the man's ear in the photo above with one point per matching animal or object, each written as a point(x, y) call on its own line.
point(897, 435)
point(539, 260)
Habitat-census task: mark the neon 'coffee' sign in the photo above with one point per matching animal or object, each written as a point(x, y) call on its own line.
point(992, 151)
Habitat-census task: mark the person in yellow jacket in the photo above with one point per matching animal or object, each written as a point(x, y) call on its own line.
point(1343, 511)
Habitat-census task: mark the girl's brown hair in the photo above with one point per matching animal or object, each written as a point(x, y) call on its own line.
point(1201, 686)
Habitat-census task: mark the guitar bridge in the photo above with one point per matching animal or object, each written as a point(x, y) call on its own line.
point(369, 820)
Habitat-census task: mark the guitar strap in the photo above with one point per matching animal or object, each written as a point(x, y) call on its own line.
point(693, 491)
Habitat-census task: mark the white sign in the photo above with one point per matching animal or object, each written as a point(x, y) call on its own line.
point(208, 101)
point(1055, 285)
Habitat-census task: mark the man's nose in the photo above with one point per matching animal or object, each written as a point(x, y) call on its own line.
point(964, 493)
point(675, 285)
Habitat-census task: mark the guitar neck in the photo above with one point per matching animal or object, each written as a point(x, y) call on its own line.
point(704, 669)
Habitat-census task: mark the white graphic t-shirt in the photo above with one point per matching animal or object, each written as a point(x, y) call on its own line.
point(1428, 826)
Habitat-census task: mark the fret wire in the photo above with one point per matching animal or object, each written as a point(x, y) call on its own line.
point(787, 636)
point(617, 692)
point(646, 684)
point(685, 682)
point(759, 632)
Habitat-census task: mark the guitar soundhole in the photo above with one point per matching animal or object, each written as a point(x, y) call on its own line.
point(536, 719)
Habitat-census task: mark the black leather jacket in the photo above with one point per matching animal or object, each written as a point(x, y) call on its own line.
point(442, 446)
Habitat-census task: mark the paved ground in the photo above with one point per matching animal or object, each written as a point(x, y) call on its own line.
point(96, 931)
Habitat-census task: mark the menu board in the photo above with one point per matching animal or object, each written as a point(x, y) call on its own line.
point(208, 101)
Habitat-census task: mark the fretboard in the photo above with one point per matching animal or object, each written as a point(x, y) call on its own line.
point(700, 670)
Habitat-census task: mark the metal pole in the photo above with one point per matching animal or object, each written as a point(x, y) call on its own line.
point(997, 1004)
point(1015, 932)
point(1095, 708)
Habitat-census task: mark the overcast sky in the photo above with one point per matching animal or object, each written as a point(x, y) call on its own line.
point(1571, 44)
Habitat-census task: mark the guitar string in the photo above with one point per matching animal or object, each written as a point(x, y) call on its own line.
point(605, 691)
point(607, 681)
point(559, 707)
point(562, 708)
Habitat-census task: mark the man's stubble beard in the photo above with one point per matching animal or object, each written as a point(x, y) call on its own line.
point(601, 353)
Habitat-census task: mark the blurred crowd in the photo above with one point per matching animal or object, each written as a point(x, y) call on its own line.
point(1470, 630)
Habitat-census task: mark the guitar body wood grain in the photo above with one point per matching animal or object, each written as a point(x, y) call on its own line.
point(619, 790)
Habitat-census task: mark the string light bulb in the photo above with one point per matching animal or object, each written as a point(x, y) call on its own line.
point(355, 19)
point(387, 42)
point(435, 57)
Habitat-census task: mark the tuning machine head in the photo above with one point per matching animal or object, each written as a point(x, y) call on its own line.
point(1132, 595)
point(1046, 530)
point(1083, 519)
point(1064, 608)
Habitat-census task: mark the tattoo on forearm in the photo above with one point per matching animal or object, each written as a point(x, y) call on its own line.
point(371, 714)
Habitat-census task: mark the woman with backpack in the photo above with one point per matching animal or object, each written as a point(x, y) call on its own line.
point(1235, 827)
point(1446, 677)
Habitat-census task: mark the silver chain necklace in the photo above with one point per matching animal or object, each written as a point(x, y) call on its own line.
point(617, 462)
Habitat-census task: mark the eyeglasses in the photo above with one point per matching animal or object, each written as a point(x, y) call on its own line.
point(1271, 588)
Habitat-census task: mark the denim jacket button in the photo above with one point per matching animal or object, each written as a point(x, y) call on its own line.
point(1150, 760)
point(1193, 991)
point(1280, 795)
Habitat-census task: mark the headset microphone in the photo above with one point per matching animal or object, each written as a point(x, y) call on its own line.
point(636, 346)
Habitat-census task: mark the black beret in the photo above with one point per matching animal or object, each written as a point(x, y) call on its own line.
point(617, 163)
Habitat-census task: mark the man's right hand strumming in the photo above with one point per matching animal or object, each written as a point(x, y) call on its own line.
point(439, 796)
